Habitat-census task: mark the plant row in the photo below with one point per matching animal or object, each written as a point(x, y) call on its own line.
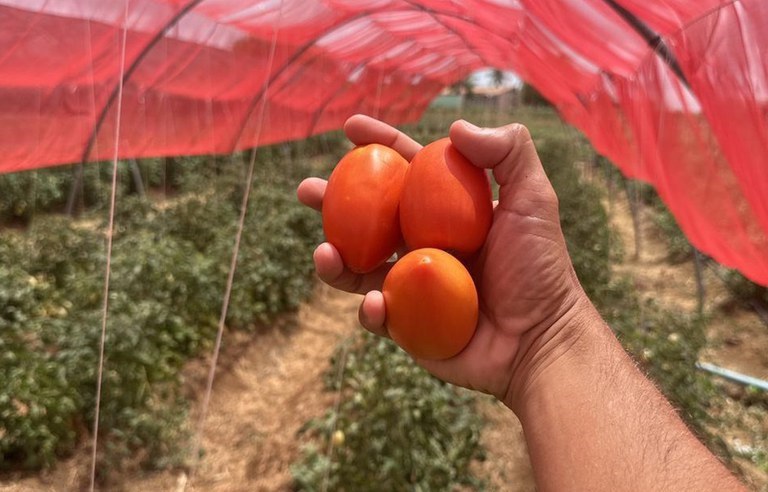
point(169, 265)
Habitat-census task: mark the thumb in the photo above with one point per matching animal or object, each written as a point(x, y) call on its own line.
point(509, 151)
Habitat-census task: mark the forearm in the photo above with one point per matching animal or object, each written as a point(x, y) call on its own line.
point(592, 421)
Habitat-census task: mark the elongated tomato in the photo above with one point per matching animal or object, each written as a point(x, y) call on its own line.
point(446, 201)
point(432, 305)
point(360, 207)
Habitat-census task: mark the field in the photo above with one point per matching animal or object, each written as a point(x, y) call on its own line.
point(303, 399)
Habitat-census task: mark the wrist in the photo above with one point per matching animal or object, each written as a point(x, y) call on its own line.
point(592, 421)
point(553, 349)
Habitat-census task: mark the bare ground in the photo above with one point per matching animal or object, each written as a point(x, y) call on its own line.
point(507, 466)
point(259, 405)
point(737, 339)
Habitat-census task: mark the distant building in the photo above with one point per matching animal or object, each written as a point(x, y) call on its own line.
point(448, 101)
point(502, 98)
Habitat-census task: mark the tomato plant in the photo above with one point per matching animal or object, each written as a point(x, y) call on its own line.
point(402, 428)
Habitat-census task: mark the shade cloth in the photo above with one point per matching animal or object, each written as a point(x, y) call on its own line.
point(215, 76)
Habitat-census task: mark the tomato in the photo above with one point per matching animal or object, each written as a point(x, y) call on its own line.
point(360, 207)
point(432, 305)
point(338, 438)
point(446, 201)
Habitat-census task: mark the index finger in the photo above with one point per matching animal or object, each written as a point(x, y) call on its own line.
point(362, 130)
point(311, 192)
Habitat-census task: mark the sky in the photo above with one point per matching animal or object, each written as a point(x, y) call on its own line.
point(484, 78)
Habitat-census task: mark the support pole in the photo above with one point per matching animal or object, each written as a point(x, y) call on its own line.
point(76, 189)
point(698, 265)
point(138, 180)
point(634, 208)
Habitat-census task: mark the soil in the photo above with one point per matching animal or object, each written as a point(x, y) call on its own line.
point(737, 339)
point(507, 466)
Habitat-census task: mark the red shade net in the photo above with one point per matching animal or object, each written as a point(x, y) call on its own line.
point(214, 76)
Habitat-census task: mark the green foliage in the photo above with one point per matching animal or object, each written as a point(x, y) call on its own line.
point(678, 248)
point(53, 361)
point(169, 287)
point(667, 344)
point(743, 289)
point(23, 194)
point(69, 255)
point(532, 97)
point(36, 402)
point(642, 192)
point(401, 428)
point(169, 266)
point(275, 257)
point(591, 242)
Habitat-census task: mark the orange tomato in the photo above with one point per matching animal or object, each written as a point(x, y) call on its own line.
point(446, 201)
point(360, 207)
point(432, 305)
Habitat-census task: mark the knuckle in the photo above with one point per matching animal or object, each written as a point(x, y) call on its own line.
point(518, 132)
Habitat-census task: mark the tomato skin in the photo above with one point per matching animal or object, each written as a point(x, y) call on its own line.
point(360, 207)
point(446, 201)
point(431, 303)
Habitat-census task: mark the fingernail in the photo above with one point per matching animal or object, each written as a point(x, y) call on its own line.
point(317, 250)
point(361, 315)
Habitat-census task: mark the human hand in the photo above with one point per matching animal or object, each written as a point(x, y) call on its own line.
point(527, 288)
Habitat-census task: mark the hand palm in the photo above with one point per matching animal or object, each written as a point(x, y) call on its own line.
point(523, 272)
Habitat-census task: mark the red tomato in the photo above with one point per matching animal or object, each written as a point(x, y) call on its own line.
point(360, 207)
point(432, 306)
point(446, 201)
